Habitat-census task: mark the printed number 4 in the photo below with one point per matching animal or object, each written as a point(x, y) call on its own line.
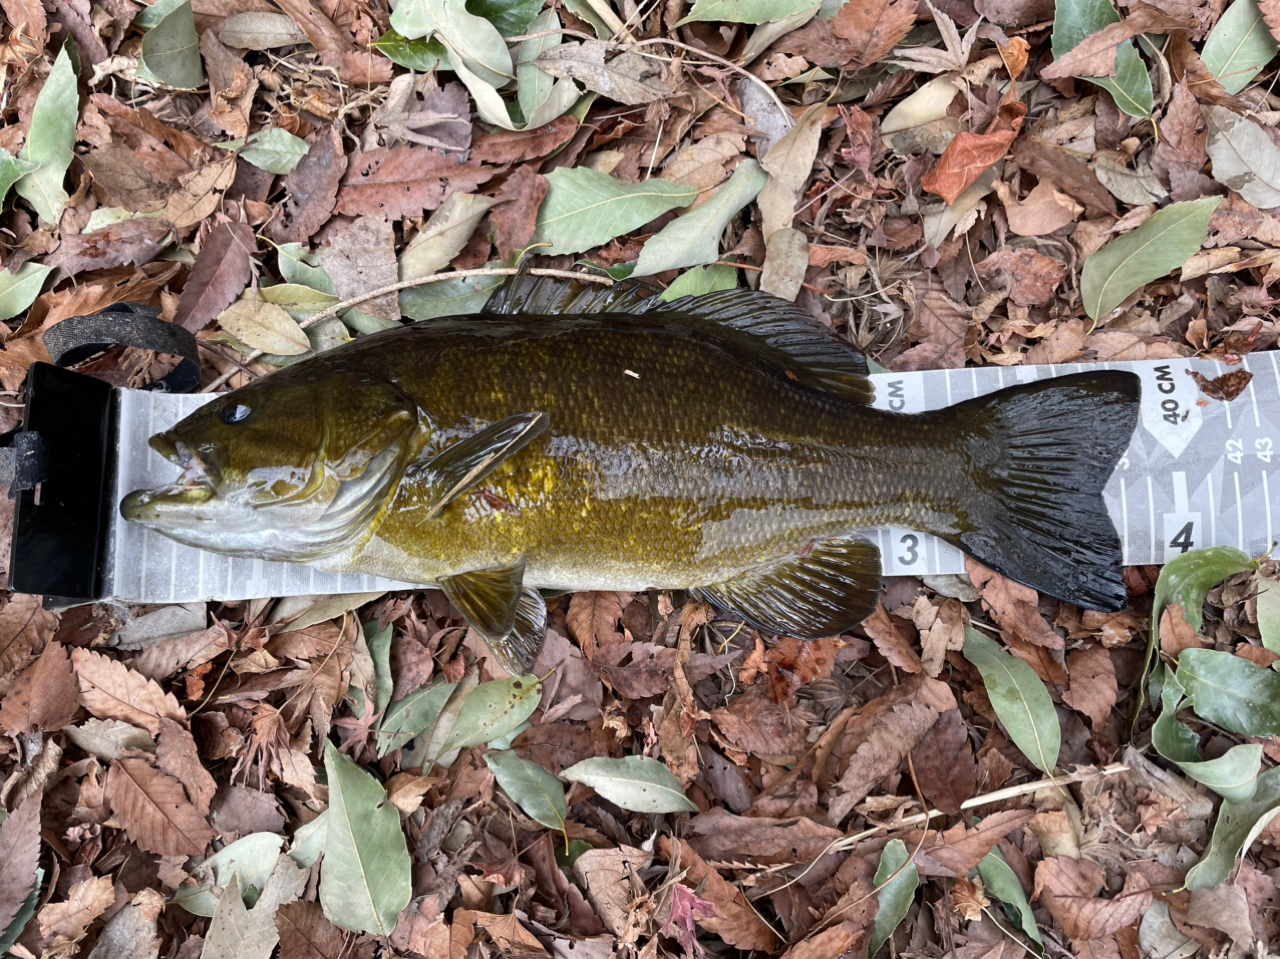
point(1183, 540)
point(912, 543)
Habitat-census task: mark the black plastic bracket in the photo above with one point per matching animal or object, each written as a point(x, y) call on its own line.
point(62, 527)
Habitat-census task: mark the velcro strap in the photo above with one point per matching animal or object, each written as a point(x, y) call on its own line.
point(127, 324)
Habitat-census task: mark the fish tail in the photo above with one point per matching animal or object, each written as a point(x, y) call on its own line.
point(1041, 454)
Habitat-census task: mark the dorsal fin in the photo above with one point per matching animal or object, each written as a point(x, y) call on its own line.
point(780, 333)
point(555, 296)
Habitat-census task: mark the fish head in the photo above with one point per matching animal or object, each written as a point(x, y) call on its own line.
point(291, 467)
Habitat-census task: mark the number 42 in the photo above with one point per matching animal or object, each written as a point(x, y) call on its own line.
point(1262, 448)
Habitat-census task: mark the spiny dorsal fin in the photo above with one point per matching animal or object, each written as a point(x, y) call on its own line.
point(780, 333)
point(555, 296)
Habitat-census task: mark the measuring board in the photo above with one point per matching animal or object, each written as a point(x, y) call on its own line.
point(1199, 472)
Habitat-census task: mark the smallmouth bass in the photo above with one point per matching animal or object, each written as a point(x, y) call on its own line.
point(573, 439)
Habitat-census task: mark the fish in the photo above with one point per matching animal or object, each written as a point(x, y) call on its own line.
point(571, 437)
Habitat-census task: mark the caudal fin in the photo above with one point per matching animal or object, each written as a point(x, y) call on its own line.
point(1042, 453)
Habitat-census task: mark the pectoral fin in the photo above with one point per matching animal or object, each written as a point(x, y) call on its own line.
point(825, 592)
point(512, 619)
point(468, 462)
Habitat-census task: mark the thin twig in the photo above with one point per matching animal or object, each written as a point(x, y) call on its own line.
point(406, 284)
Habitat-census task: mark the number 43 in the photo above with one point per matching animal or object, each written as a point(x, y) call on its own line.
point(1262, 448)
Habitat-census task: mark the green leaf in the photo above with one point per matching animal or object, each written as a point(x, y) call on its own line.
point(420, 55)
point(1238, 46)
point(12, 170)
point(408, 717)
point(584, 208)
point(637, 783)
point(534, 789)
point(745, 11)
point(1231, 692)
point(533, 86)
point(1002, 882)
point(493, 710)
point(448, 297)
point(308, 841)
point(512, 18)
point(26, 912)
point(275, 150)
point(171, 51)
point(248, 860)
point(299, 301)
point(701, 280)
point(1019, 699)
point(1238, 825)
point(263, 325)
point(898, 893)
point(49, 141)
point(1269, 612)
point(1187, 579)
point(694, 238)
point(1244, 158)
point(1164, 242)
point(1173, 739)
point(1131, 86)
point(472, 41)
point(379, 644)
point(1233, 775)
point(151, 16)
point(300, 267)
point(365, 877)
point(19, 290)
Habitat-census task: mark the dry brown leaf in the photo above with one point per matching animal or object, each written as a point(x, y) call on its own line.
point(966, 158)
point(164, 659)
point(65, 922)
point(43, 697)
point(1093, 687)
point(504, 147)
point(892, 640)
point(177, 755)
point(1044, 210)
point(734, 920)
point(362, 258)
point(954, 853)
point(1095, 55)
point(131, 243)
point(945, 764)
point(1031, 277)
point(155, 811)
point(221, 272)
point(881, 735)
point(24, 625)
point(131, 932)
point(1069, 170)
point(515, 219)
point(939, 320)
point(874, 28)
point(111, 690)
point(594, 620)
point(306, 933)
point(1013, 605)
point(19, 856)
point(311, 190)
point(793, 663)
point(1069, 890)
point(405, 181)
point(199, 193)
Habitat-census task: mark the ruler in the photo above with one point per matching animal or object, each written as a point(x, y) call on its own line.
point(1199, 472)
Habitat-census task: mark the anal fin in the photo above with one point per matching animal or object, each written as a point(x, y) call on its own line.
point(826, 591)
point(511, 618)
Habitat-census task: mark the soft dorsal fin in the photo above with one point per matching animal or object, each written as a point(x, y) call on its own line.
point(782, 334)
point(554, 296)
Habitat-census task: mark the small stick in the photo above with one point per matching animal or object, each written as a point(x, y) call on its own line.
point(406, 284)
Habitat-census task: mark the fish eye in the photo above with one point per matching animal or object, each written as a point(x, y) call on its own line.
point(234, 414)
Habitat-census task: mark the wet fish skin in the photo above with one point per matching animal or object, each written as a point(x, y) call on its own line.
point(641, 450)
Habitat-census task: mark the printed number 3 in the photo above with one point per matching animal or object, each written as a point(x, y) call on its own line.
point(912, 543)
point(1183, 540)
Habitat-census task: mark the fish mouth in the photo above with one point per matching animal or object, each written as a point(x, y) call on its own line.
point(196, 486)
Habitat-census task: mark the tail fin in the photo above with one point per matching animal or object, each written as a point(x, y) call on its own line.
point(1042, 453)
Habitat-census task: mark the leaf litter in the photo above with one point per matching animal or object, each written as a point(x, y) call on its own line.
point(967, 773)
